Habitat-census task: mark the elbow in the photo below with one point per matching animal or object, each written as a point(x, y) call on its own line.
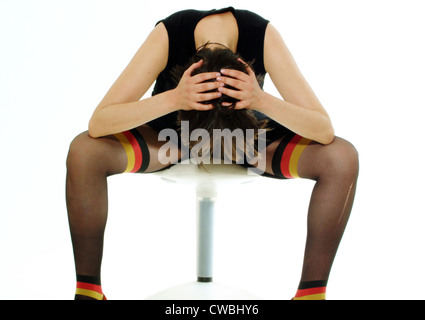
point(93, 129)
point(328, 136)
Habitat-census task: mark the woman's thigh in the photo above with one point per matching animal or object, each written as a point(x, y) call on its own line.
point(336, 160)
point(162, 154)
point(121, 152)
point(308, 159)
point(103, 155)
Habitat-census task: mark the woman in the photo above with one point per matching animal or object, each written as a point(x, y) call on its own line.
point(123, 133)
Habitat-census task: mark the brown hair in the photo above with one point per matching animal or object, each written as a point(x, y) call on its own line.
point(221, 116)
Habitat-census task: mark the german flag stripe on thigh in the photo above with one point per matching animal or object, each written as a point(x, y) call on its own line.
point(136, 149)
point(287, 155)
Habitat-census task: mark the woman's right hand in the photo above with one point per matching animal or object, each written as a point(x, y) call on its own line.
point(190, 91)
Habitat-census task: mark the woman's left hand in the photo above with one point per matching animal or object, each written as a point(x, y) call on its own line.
point(248, 92)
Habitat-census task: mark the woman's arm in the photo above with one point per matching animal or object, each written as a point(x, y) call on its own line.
point(121, 108)
point(300, 111)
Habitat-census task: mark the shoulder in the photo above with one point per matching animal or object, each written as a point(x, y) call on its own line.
point(251, 18)
point(179, 17)
point(252, 29)
point(278, 60)
point(272, 36)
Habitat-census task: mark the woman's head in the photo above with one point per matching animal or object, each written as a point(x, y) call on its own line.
point(223, 115)
point(214, 61)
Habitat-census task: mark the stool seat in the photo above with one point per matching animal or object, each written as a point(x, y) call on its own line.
point(209, 177)
point(206, 181)
point(191, 173)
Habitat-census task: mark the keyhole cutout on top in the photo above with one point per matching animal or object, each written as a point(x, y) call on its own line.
point(222, 28)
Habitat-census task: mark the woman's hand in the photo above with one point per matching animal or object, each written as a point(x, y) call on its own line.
point(190, 91)
point(248, 92)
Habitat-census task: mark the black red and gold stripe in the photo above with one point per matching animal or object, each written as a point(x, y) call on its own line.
point(287, 155)
point(89, 287)
point(136, 149)
point(312, 290)
point(90, 290)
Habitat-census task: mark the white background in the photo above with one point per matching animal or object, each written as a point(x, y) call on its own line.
point(365, 61)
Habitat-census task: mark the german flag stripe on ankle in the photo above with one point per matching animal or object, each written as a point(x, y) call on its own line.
point(89, 288)
point(311, 290)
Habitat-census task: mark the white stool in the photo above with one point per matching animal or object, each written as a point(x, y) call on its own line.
point(206, 182)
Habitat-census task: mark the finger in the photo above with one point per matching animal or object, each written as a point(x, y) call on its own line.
point(193, 67)
point(205, 76)
point(235, 74)
point(246, 64)
point(231, 82)
point(240, 105)
point(226, 104)
point(208, 96)
point(231, 93)
point(202, 107)
point(248, 68)
point(203, 87)
point(251, 72)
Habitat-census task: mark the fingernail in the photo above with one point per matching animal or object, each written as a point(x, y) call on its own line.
point(223, 71)
point(218, 78)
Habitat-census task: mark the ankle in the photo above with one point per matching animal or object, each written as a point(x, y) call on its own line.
point(311, 290)
point(89, 288)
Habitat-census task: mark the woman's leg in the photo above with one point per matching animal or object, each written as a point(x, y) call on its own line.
point(335, 168)
point(89, 163)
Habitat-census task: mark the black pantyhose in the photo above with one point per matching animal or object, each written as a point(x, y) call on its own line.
point(90, 161)
point(335, 167)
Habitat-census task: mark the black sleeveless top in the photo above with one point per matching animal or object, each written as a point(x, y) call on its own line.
point(181, 27)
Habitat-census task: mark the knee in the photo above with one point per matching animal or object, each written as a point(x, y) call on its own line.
point(81, 152)
point(341, 159)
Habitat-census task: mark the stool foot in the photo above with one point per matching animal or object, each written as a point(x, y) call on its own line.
point(205, 279)
point(203, 291)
